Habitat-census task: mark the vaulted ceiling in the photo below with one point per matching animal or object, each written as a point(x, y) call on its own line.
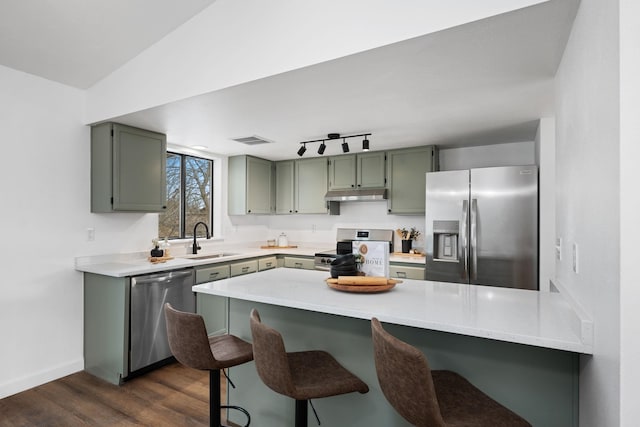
point(488, 81)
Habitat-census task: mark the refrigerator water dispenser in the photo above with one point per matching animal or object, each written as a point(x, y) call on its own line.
point(445, 240)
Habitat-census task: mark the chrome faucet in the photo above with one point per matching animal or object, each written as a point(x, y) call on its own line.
point(195, 247)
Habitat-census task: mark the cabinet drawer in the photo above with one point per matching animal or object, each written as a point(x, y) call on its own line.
point(402, 272)
point(209, 274)
point(241, 268)
point(304, 263)
point(267, 263)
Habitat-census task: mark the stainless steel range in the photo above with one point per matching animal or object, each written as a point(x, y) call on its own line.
point(344, 239)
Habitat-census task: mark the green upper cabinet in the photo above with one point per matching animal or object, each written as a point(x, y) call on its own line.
point(128, 169)
point(342, 172)
point(406, 171)
point(310, 185)
point(370, 170)
point(251, 186)
point(285, 173)
point(351, 171)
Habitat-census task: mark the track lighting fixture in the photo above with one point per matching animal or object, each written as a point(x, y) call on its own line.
point(332, 136)
point(345, 146)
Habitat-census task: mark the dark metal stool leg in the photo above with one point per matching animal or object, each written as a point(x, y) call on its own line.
point(214, 398)
point(215, 409)
point(301, 413)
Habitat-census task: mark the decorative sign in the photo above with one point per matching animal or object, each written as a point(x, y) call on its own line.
point(373, 255)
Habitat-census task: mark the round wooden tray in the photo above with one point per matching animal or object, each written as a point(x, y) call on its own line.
point(365, 289)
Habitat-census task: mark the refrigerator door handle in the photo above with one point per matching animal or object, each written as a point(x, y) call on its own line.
point(474, 239)
point(463, 254)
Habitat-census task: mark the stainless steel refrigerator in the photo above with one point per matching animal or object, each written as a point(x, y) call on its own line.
point(482, 226)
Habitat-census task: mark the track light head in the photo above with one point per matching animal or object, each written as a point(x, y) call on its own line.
point(321, 148)
point(345, 146)
point(302, 150)
point(365, 144)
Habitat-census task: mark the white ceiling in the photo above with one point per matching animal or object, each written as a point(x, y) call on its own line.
point(79, 42)
point(479, 83)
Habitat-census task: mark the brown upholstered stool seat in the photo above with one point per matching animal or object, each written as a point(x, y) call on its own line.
point(429, 398)
point(299, 375)
point(191, 346)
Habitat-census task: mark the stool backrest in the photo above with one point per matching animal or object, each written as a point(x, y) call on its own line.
point(270, 357)
point(188, 339)
point(405, 378)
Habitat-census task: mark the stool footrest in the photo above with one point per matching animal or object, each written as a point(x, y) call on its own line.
point(238, 408)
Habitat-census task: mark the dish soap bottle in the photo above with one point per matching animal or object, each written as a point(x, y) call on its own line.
point(283, 242)
point(166, 247)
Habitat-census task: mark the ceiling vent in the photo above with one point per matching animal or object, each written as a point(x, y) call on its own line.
point(252, 140)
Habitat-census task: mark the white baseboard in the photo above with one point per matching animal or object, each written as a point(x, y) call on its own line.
point(17, 385)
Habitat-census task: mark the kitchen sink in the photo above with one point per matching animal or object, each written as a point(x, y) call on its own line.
point(210, 256)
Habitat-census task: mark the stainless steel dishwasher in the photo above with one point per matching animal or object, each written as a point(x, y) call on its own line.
point(148, 343)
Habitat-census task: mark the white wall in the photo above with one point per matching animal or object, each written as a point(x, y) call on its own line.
point(237, 41)
point(45, 176)
point(546, 161)
point(588, 198)
point(629, 208)
point(508, 154)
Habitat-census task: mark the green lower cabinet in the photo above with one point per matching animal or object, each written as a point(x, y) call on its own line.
point(299, 262)
point(267, 263)
point(246, 267)
point(106, 326)
point(403, 271)
point(213, 309)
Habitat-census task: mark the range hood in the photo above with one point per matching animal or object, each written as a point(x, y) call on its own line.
point(369, 194)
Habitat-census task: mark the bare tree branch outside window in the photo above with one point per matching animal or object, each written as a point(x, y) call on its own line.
point(189, 195)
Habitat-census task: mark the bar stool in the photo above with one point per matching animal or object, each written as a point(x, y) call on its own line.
point(192, 347)
point(300, 375)
point(429, 398)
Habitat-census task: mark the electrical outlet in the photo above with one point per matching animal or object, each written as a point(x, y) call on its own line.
point(575, 258)
point(91, 234)
point(559, 248)
point(313, 228)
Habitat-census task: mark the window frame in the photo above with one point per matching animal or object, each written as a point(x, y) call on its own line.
point(183, 205)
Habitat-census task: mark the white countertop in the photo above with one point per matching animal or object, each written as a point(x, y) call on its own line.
point(526, 317)
point(122, 265)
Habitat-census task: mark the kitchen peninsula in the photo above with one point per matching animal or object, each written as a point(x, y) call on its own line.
point(521, 347)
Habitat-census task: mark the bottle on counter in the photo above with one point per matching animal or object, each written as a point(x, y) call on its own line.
point(166, 247)
point(156, 251)
point(283, 242)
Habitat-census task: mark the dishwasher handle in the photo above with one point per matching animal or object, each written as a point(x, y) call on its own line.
point(154, 278)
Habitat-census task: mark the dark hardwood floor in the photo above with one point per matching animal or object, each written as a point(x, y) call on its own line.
point(170, 396)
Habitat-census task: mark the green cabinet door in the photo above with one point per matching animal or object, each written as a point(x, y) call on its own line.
point(406, 171)
point(260, 194)
point(342, 172)
point(311, 185)
point(365, 170)
point(250, 186)
point(285, 187)
point(128, 169)
point(371, 170)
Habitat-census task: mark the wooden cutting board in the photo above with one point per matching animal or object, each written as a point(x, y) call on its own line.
point(278, 247)
point(159, 259)
point(408, 255)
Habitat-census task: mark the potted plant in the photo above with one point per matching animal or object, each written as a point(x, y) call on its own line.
point(407, 237)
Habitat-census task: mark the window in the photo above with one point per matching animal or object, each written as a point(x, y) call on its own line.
point(189, 196)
